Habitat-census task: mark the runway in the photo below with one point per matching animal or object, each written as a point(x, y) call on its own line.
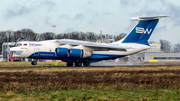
point(97, 65)
point(131, 65)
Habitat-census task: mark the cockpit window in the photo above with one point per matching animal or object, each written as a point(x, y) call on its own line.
point(19, 44)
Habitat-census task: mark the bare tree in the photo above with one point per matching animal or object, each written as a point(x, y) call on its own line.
point(46, 36)
point(59, 36)
point(91, 36)
point(177, 47)
point(28, 34)
point(9, 35)
point(17, 35)
point(150, 42)
point(107, 36)
point(120, 36)
point(82, 36)
point(165, 45)
point(3, 38)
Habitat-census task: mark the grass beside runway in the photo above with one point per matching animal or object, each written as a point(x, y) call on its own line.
point(28, 64)
point(93, 83)
point(93, 95)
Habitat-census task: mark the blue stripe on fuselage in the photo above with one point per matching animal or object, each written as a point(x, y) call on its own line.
point(52, 55)
point(105, 56)
point(43, 55)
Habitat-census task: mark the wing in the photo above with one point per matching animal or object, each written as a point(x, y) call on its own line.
point(92, 44)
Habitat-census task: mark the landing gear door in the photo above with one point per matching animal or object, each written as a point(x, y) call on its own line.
point(36, 51)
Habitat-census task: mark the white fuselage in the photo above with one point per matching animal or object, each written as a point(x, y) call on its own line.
point(42, 49)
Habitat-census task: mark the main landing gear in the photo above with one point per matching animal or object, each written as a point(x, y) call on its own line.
point(86, 64)
point(69, 64)
point(34, 62)
point(78, 64)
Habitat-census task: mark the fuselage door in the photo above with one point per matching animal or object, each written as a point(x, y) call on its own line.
point(36, 51)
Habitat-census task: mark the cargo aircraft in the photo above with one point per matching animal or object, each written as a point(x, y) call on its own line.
point(76, 52)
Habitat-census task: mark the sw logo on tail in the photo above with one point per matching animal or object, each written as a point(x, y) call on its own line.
point(142, 30)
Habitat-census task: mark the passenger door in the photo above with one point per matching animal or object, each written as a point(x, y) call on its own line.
point(36, 51)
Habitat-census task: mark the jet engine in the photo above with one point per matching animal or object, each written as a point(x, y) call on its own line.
point(78, 53)
point(73, 52)
point(62, 51)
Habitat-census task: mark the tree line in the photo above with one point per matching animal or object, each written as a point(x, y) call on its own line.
point(30, 35)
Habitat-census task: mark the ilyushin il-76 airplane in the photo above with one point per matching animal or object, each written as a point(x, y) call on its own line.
point(76, 52)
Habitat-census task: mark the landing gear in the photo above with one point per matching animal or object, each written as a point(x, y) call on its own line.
point(34, 62)
point(86, 64)
point(78, 64)
point(69, 64)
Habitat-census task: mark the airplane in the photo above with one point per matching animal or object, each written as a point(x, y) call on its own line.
point(76, 52)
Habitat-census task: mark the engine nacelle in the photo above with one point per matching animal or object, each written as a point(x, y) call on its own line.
point(78, 53)
point(60, 51)
point(73, 52)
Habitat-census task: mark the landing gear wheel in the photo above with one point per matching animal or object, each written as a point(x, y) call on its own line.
point(34, 62)
point(69, 64)
point(86, 64)
point(78, 64)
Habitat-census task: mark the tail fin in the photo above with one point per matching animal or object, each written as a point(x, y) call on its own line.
point(142, 31)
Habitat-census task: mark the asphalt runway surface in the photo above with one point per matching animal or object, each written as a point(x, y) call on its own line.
point(99, 65)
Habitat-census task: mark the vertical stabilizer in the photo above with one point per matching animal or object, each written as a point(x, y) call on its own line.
point(142, 31)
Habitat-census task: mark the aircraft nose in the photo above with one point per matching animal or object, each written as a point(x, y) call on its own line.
point(14, 52)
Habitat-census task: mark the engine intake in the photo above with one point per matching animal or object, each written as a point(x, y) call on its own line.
point(62, 51)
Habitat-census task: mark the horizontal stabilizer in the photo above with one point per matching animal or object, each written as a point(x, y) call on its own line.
point(148, 18)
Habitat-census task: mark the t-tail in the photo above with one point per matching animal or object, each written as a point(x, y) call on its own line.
point(142, 31)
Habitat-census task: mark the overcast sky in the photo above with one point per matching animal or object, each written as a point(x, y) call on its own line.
point(110, 16)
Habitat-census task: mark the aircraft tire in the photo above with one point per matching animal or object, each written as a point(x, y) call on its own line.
point(34, 62)
point(78, 64)
point(69, 64)
point(86, 64)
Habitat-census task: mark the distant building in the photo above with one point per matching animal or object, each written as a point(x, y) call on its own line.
point(155, 47)
point(161, 57)
point(154, 53)
point(5, 46)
